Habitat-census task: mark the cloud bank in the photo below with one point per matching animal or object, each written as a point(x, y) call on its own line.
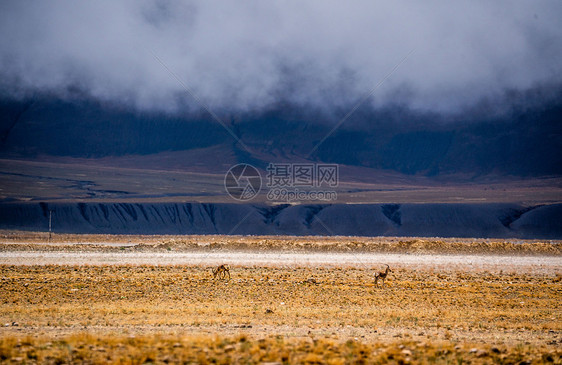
point(249, 55)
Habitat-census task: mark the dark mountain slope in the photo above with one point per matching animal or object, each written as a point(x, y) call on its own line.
point(88, 129)
point(434, 220)
point(524, 142)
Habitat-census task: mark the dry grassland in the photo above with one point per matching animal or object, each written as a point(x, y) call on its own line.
point(161, 314)
point(39, 241)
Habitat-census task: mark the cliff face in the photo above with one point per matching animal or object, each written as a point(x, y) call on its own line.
point(440, 220)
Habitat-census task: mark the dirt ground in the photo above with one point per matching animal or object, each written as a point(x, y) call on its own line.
point(160, 303)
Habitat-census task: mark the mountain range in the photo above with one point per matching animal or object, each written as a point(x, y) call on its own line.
point(524, 140)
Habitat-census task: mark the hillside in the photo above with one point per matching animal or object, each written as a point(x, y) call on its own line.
point(442, 220)
point(523, 142)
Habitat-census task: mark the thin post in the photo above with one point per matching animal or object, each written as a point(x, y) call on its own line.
point(50, 220)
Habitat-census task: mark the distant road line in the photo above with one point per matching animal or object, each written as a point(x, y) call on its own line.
point(529, 264)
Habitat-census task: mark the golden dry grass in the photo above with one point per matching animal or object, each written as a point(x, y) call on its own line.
point(85, 348)
point(136, 314)
point(33, 241)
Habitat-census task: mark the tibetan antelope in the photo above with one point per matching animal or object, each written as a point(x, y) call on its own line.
point(221, 272)
point(382, 275)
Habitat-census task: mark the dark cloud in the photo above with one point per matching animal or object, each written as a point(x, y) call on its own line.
point(248, 55)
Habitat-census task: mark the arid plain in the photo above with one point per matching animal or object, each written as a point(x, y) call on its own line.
point(137, 299)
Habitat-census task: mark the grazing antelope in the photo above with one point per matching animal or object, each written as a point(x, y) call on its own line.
point(382, 275)
point(221, 272)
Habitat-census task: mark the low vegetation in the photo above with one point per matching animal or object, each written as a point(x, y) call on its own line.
point(85, 348)
point(137, 314)
point(33, 241)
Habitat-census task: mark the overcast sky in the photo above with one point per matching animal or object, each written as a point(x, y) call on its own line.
point(247, 55)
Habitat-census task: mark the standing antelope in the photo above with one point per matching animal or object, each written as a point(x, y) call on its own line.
point(221, 272)
point(382, 275)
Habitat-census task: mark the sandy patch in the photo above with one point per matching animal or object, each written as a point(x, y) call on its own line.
point(473, 263)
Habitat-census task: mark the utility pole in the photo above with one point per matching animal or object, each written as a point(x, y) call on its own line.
point(50, 223)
